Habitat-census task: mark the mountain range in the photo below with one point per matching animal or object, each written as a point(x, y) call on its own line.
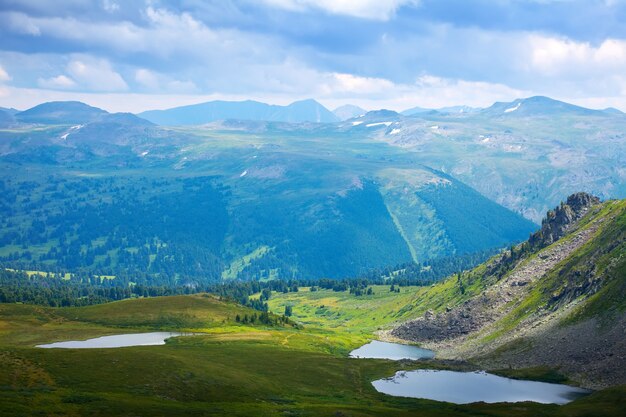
point(197, 114)
point(280, 199)
point(234, 199)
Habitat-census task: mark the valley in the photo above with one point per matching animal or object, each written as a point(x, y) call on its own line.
point(312, 240)
point(249, 200)
point(240, 360)
point(298, 208)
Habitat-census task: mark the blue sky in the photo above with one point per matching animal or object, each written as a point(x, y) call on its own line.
point(135, 55)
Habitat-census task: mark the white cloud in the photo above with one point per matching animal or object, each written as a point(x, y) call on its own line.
point(96, 74)
point(23, 24)
point(367, 9)
point(431, 92)
point(181, 55)
point(158, 83)
point(554, 56)
point(61, 82)
point(147, 79)
point(181, 87)
point(4, 76)
point(348, 83)
point(110, 6)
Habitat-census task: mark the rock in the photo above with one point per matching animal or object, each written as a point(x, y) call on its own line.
point(557, 221)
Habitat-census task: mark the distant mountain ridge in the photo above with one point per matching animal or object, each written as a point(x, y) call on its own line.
point(348, 111)
point(9, 110)
point(538, 106)
point(197, 114)
point(60, 112)
point(6, 118)
point(445, 110)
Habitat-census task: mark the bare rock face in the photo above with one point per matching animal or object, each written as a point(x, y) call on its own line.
point(557, 221)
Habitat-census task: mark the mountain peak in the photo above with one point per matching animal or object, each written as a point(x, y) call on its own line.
point(558, 221)
point(60, 112)
point(348, 111)
point(381, 113)
point(307, 101)
point(537, 106)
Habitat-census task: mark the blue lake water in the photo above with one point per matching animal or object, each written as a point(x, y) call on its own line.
point(117, 341)
point(469, 387)
point(393, 351)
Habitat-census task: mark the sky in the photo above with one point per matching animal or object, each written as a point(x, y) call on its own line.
point(136, 55)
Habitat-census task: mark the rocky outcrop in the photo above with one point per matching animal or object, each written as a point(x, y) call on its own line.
point(451, 328)
point(558, 221)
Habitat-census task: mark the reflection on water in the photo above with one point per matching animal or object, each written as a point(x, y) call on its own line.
point(393, 351)
point(469, 387)
point(116, 341)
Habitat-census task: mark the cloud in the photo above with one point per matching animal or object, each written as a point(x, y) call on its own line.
point(60, 82)
point(393, 53)
point(159, 83)
point(22, 24)
point(147, 79)
point(426, 91)
point(96, 74)
point(181, 87)
point(555, 56)
point(110, 6)
point(367, 9)
point(349, 83)
point(4, 76)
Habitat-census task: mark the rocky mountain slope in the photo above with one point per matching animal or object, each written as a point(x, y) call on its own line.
point(556, 300)
point(526, 154)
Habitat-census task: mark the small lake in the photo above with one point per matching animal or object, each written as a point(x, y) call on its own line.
point(116, 341)
point(469, 387)
point(393, 351)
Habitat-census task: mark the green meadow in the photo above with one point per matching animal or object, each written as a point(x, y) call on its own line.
point(229, 368)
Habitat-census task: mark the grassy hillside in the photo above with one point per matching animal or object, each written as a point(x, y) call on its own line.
point(342, 312)
point(560, 306)
point(249, 200)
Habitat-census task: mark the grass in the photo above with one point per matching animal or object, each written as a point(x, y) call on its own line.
point(344, 313)
point(238, 265)
point(240, 370)
point(539, 373)
point(230, 369)
point(570, 272)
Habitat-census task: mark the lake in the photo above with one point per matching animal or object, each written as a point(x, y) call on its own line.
point(393, 351)
point(116, 341)
point(469, 387)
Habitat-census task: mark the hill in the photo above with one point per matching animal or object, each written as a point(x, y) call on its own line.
point(9, 110)
point(444, 110)
point(60, 112)
point(557, 300)
point(197, 114)
point(6, 119)
point(537, 106)
point(348, 111)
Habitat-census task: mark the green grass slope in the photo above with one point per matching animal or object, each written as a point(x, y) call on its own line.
point(568, 312)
